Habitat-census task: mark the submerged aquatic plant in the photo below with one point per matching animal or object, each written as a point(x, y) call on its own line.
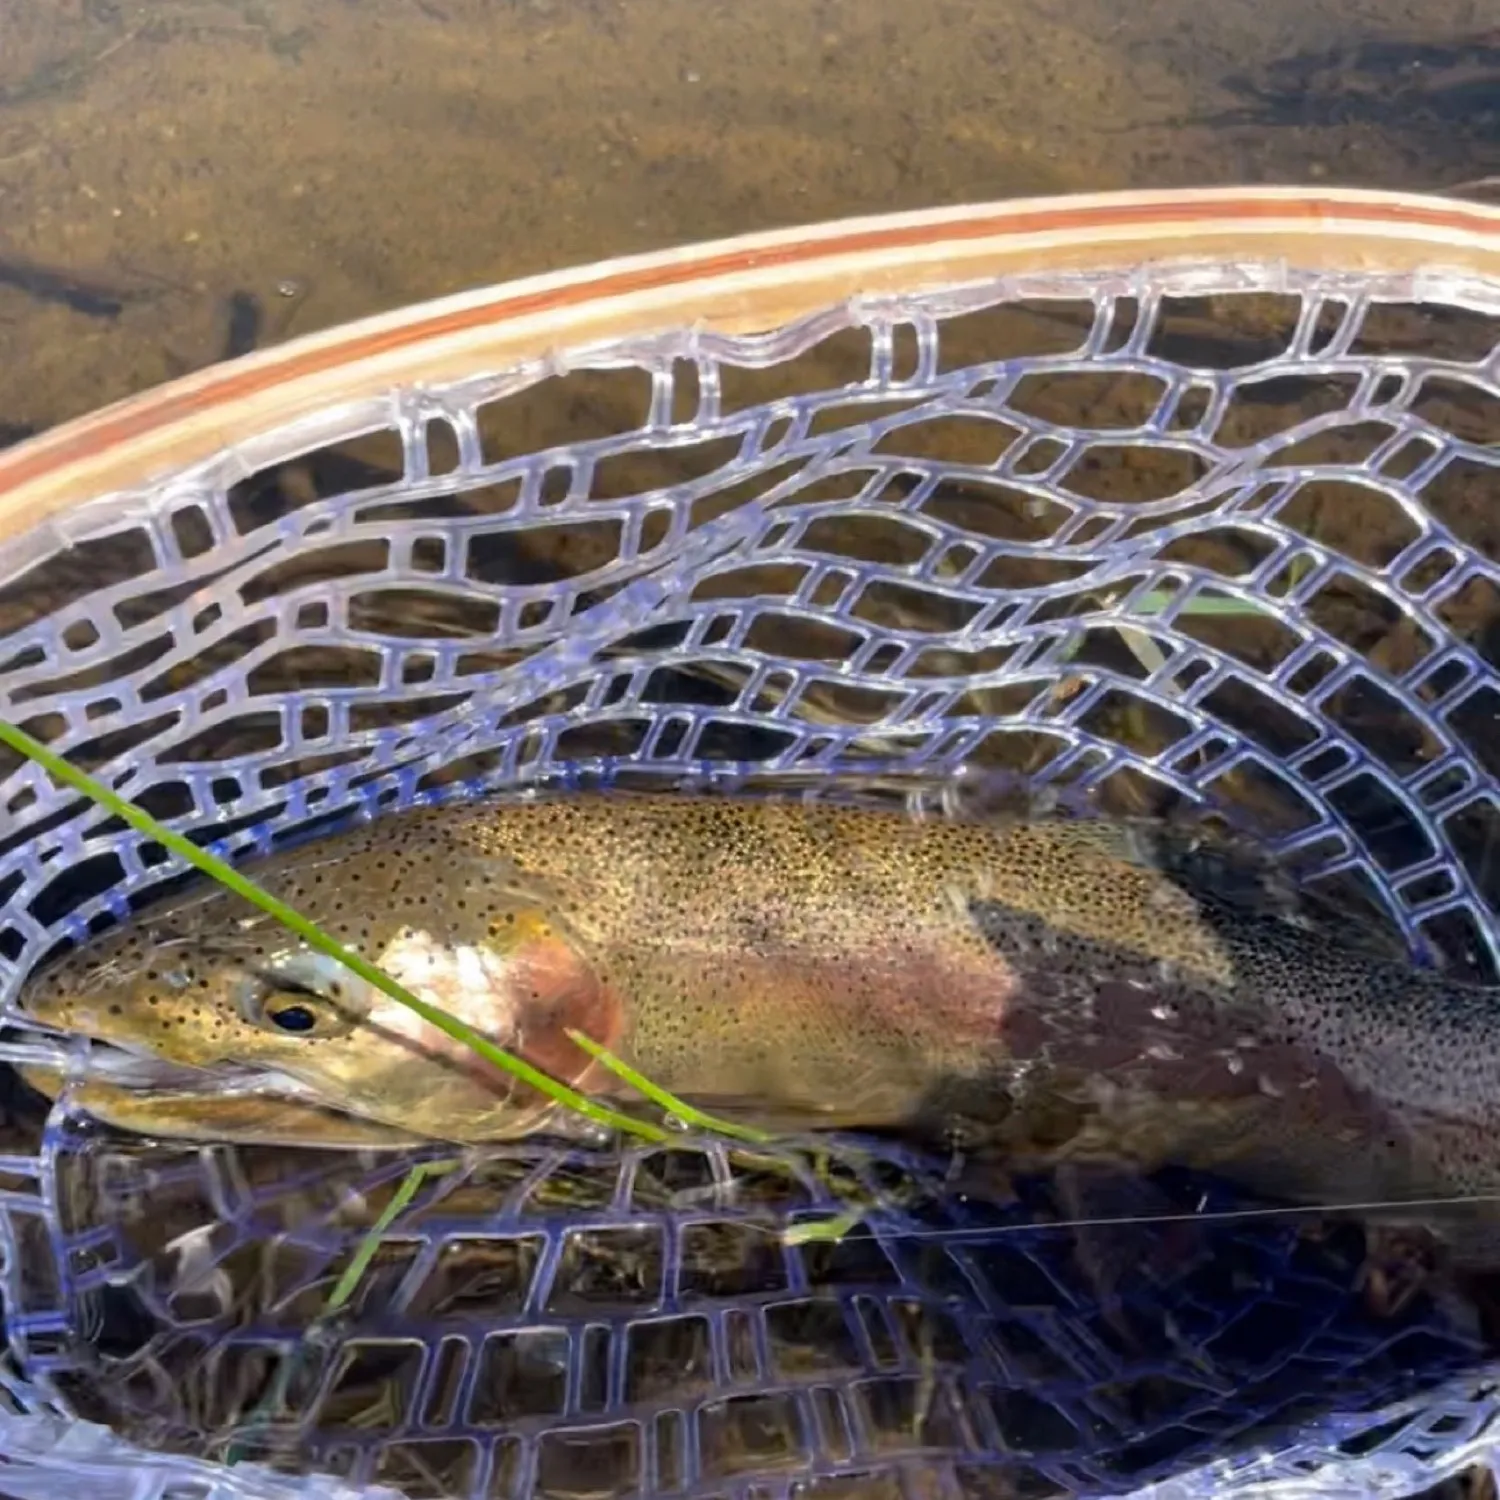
point(1157, 601)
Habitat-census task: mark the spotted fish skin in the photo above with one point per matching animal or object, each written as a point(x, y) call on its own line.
point(1055, 989)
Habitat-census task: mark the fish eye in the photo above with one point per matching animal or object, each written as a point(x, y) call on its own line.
point(291, 994)
point(298, 1018)
point(273, 1003)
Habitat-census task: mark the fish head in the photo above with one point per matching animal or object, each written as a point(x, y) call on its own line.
point(213, 996)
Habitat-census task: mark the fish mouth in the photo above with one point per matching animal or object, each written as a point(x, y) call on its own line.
point(146, 1072)
point(228, 1104)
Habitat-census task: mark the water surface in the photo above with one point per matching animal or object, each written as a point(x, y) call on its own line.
point(183, 180)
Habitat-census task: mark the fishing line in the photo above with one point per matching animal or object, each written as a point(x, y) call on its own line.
point(1212, 1216)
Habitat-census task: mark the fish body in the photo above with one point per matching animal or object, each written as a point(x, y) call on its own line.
point(1050, 989)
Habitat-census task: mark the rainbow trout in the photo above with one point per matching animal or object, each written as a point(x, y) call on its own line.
point(1056, 990)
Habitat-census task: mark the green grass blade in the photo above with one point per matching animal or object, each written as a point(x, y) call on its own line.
point(669, 1102)
point(824, 1231)
point(1155, 601)
point(400, 1200)
point(343, 1290)
point(232, 879)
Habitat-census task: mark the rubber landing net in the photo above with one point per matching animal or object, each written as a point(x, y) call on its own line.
point(1151, 520)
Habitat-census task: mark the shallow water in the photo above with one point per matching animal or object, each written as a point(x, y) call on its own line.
point(183, 180)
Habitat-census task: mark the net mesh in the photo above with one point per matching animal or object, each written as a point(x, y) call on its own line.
point(547, 1322)
point(1199, 533)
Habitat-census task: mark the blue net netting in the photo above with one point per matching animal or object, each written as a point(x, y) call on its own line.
point(1203, 534)
point(547, 1322)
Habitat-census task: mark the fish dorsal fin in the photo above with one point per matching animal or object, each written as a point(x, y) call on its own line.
point(1224, 865)
point(1205, 851)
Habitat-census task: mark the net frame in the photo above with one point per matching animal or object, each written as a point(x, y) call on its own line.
point(140, 460)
